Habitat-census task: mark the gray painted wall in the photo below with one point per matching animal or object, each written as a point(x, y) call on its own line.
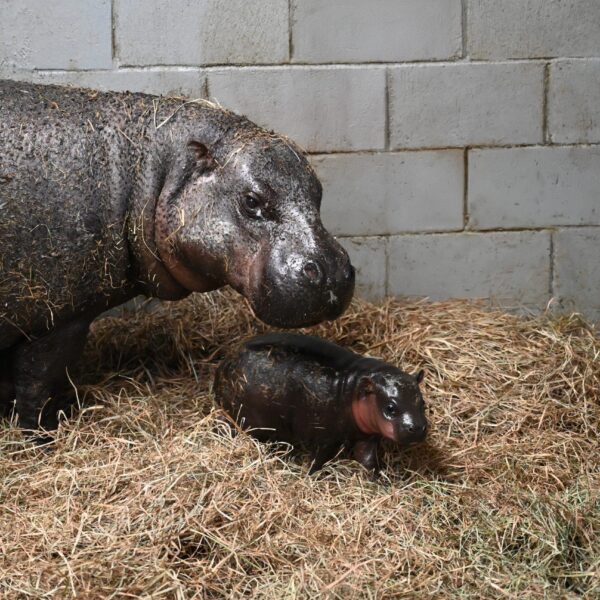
point(458, 140)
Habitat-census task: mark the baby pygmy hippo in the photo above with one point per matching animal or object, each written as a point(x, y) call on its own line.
point(310, 392)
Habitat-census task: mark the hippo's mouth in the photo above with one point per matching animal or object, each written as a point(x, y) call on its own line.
point(282, 294)
point(289, 309)
point(279, 309)
point(245, 276)
point(406, 438)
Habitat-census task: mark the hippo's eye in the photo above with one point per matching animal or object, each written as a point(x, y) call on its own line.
point(391, 410)
point(253, 205)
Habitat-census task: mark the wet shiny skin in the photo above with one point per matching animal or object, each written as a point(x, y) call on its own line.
point(309, 392)
point(104, 196)
point(277, 253)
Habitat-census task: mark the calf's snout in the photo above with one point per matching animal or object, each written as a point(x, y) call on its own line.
point(412, 429)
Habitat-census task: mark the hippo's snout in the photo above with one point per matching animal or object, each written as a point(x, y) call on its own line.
point(333, 280)
point(315, 272)
point(411, 429)
point(298, 290)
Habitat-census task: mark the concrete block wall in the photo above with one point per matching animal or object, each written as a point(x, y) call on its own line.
point(458, 140)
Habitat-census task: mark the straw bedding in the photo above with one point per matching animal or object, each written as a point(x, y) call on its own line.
point(142, 495)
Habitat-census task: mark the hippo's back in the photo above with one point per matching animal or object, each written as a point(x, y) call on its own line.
point(286, 382)
point(305, 348)
point(63, 193)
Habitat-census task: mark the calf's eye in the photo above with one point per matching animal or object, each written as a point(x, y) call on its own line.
point(391, 409)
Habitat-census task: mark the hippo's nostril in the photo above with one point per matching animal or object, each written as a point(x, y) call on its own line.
point(313, 271)
point(417, 428)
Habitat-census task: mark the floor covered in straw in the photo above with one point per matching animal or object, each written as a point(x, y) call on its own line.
point(141, 495)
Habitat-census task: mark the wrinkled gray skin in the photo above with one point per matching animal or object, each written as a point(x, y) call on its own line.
point(310, 392)
point(104, 196)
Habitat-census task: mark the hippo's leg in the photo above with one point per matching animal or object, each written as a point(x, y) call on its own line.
point(321, 455)
point(366, 452)
point(40, 372)
point(7, 388)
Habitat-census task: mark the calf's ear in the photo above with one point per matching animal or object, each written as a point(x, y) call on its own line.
point(365, 387)
point(419, 376)
point(205, 161)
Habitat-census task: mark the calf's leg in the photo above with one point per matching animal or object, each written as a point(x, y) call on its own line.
point(366, 452)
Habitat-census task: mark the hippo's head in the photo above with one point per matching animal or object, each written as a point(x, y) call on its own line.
point(388, 402)
point(247, 214)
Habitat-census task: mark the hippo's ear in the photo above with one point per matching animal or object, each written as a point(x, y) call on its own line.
point(365, 387)
point(204, 158)
point(419, 376)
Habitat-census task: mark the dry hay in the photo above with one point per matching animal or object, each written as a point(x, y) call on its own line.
point(141, 496)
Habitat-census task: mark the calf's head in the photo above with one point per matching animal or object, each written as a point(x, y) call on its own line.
point(388, 402)
point(249, 217)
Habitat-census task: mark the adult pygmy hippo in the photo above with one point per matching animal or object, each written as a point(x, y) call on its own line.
point(104, 196)
point(304, 390)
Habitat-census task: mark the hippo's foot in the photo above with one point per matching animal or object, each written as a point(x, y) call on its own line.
point(40, 374)
point(320, 456)
point(366, 452)
point(7, 388)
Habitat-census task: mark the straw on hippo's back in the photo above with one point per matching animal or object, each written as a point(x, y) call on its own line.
point(104, 196)
point(304, 390)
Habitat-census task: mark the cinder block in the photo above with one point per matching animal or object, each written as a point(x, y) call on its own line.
point(534, 187)
point(378, 30)
point(577, 269)
point(574, 101)
point(64, 34)
point(510, 267)
point(368, 257)
point(499, 29)
point(466, 104)
point(321, 108)
point(181, 82)
point(374, 194)
point(201, 32)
